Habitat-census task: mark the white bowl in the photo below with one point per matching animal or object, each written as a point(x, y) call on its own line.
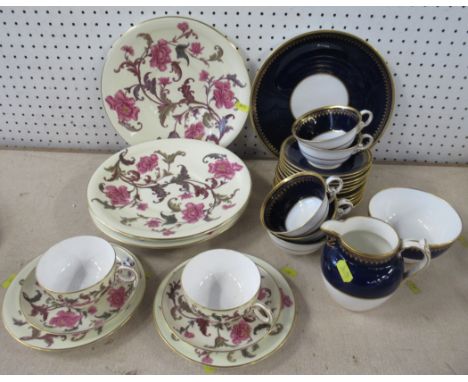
point(416, 214)
point(330, 159)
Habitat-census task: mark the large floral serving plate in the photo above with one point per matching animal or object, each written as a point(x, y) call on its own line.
point(315, 69)
point(205, 333)
point(21, 330)
point(169, 189)
point(250, 354)
point(174, 77)
point(72, 315)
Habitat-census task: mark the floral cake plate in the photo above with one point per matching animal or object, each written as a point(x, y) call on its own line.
point(19, 328)
point(72, 316)
point(169, 189)
point(248, 355)
point(217, 335)
point(158, 244)
point(175, 77)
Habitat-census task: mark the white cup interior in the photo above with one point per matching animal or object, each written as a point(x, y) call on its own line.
point(75, 264)
point(417, 215)
point(221, 279)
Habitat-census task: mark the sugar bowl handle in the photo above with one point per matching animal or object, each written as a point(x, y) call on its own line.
point(419, 265)
point(263, 313)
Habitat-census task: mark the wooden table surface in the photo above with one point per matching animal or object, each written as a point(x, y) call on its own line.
point(43, 201)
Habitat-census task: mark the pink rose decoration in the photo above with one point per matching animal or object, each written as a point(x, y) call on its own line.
point(142, 206)
point(65, 319)
point(160, 55)
point(167, 232)
point(116, 297)
point(119, 196)
point(188, 334)
point(128, 49)
point(153, 223)
point(222, 168)
point(193, 212)
point(164, 81)
point(207, 359)
point(228, 206)
point(98, 324)
point(147, 163)
point(261, 294)
point(92, 309)
point(124, 106)
point(183, 26)
point(196, 48)
point(223, 94)
point(240, 332)
point(204, 75)
point(285, 300)
point(195, 131)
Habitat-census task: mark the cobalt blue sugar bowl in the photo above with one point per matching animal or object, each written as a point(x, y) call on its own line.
point(362, 262)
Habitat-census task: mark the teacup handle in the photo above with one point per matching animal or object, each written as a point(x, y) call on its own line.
point(370, 117)
point(343, 207)
point(126, 279)
point(419, 265)
point(363, 146)
point(263, 313)
point(334, 186)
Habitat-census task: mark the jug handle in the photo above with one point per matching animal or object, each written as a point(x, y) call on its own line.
point(422, 246)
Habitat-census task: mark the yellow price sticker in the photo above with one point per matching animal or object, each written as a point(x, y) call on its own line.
point(241, 107)
point(209, 369)
point(344, 271)
point(8, 281)
point(463, 241)
point(288, 271)
point(413, 287)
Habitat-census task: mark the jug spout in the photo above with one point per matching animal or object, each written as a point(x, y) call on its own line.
point(333, 227)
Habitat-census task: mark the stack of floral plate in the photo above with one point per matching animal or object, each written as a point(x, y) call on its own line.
point(36, 320)
point(168, 193)
point(354, 172)
point(211, 340)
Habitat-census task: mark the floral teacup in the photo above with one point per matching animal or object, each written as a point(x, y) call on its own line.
point(223, 285)
point(80, 270)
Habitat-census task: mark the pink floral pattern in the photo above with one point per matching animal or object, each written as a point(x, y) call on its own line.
point(119, 196)
point(147, 163)
point(160, 55)
point(124, 106)
point(65, 319)
point(116, 297)
point(240, 332)
point(207, 115)
point(222, 168)
point(199, 200)
point(223, 94)
point(193, 212)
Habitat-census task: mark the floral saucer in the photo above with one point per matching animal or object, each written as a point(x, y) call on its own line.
point(16, 324)
point(201, 332)
point(237, 357)
point(72, 316)
point(175, 77)
point(169, 189)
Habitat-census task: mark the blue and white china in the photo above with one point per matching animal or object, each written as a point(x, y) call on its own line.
point(314, 241)
point(362, 262)
point(331, 159)
point(331, 127)
point(416, 214)
point(298, 204)
point(317, 69)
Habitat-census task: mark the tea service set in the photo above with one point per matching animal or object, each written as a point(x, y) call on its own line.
point(177, 185)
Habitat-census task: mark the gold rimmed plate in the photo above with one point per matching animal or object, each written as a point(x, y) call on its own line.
point(285, 87)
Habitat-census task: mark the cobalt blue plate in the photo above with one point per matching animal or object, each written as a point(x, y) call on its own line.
point(347, 58)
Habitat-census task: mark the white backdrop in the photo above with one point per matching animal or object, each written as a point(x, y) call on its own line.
point(51, 60)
